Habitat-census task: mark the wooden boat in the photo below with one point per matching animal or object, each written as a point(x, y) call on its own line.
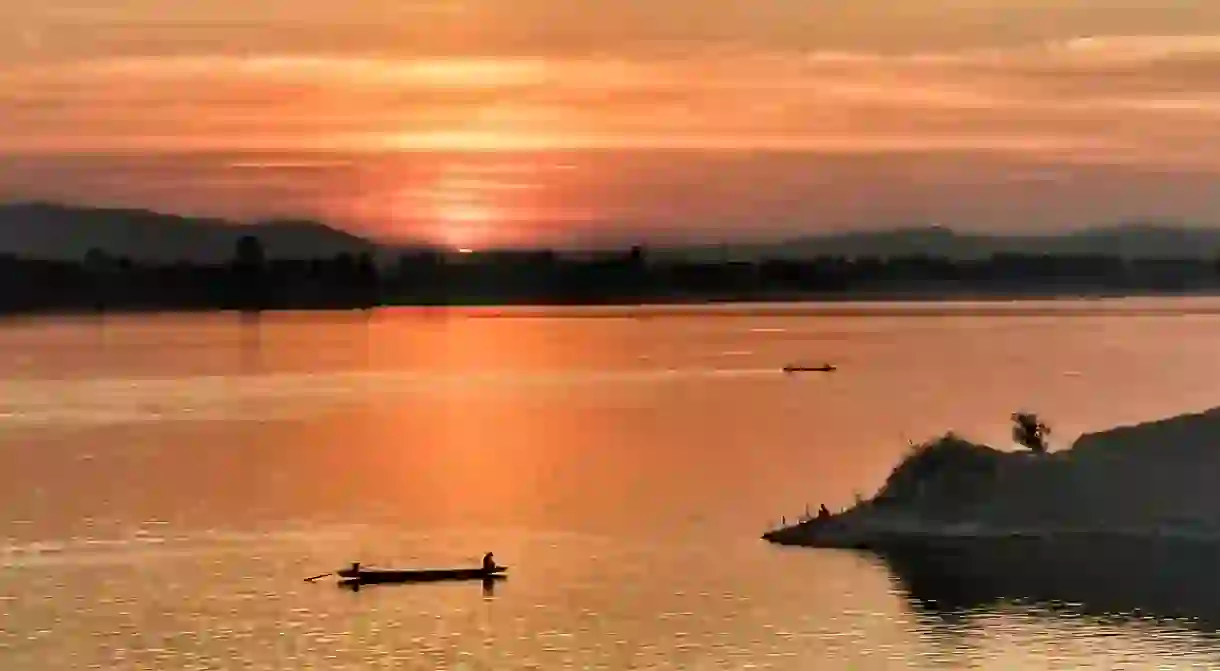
point(363, 576)
point(824, 368)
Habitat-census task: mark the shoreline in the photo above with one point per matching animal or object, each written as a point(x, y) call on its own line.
point(914, 297)
point(803, 536)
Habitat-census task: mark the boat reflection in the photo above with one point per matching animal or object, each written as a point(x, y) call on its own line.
point(355, 585)
point(1115, 579)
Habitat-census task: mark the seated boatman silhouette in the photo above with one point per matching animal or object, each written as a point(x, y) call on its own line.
point(489, 562)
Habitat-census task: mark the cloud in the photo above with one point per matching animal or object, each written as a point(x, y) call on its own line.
point(1088, 98)
point(933, 95)
point(139, 14)
point(561, 28)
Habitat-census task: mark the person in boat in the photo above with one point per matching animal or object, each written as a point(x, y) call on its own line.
point(823, 513)
point(489, 562)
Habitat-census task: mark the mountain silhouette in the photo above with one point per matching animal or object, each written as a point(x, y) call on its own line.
point(1132, 240)
point(63, 232)
point(60, 232)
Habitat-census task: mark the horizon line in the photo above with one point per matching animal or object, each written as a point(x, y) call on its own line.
point(1145, 222)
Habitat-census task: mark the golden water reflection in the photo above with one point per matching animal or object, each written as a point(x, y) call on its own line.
point(182, 473)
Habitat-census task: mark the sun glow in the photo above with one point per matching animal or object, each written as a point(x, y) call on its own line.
point(471, 141)
point(475, 202)
point(465, 213)
point(462, 212)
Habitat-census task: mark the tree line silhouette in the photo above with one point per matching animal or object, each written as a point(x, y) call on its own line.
point(252, 281)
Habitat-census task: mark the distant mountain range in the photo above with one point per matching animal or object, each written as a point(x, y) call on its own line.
point(1132, 240)
point(59, 232)
point(47, 231)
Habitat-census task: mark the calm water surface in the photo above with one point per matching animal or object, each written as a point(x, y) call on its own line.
point(167, 481)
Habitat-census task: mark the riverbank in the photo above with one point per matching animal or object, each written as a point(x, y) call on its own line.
point(1146, 481)
point(252, 282)
point(914, 297)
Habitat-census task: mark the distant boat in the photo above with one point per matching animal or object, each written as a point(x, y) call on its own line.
point(824, 368)
point(355, 576)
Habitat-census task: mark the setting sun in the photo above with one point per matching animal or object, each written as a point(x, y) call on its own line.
point(463, 220)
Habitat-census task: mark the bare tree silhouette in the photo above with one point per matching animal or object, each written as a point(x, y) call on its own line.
point(1030, 431)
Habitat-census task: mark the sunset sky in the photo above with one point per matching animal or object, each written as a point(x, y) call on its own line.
point(479, 122)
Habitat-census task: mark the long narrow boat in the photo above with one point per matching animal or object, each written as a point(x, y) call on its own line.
point(375, 576)
point(825, 368)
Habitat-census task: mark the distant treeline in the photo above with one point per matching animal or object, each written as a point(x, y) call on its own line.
point(250, 281)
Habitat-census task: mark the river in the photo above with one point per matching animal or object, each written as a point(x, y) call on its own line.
point(166, 481)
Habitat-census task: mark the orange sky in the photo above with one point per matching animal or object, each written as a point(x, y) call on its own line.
point(1125, 87)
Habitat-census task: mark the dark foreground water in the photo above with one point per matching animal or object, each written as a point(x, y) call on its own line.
point(166, 483)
